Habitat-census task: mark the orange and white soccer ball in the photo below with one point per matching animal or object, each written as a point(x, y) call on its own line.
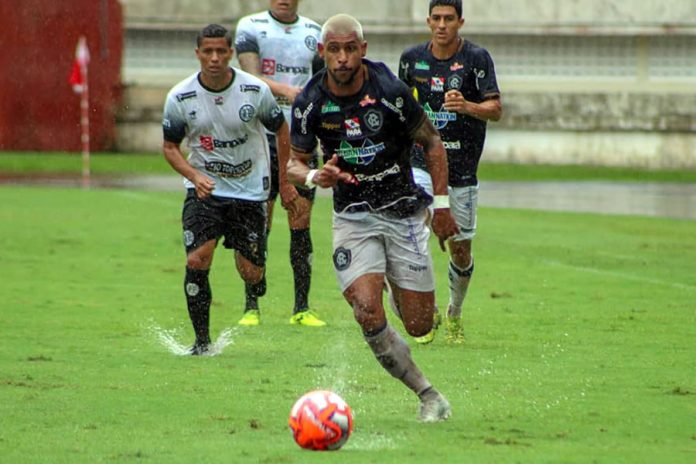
point(320, 420)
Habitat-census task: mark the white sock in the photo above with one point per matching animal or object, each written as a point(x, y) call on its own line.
point(394, 355)
point(458, 285)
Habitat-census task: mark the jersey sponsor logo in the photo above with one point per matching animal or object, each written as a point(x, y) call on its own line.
point(166, 123)
point(417, 268)
point(268, 67)
point(395, 169)
point(311, 43)
point(454, 82)
point(422, 65)
point(342, 258)
point(439, 118)
point(219, 100)
point(330, 107)
point(246, 112)
point(303, 116)
point(456, 66)
point(186, 95)
point(228, 169)
point(437, 84)
point(363, 155)
point(282, 68)
point(312, 26)
point(480, 74)
point(209, 143)
point(259, 20)
point(452, 145)
point(373, 120)
point(421, 80)
point(330, 126)
point(367, 100)
point(192, 115)
point(352, 127)
point(394, 108)
point(405, 65)
point(250, 88)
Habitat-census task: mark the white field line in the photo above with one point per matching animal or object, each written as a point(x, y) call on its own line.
point(621, 275)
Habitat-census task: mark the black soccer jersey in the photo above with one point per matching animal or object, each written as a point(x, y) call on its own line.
point(372, 134)
point(470, 70)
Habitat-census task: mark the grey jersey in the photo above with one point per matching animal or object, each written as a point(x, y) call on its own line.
point(225, 131)
point(288, 51)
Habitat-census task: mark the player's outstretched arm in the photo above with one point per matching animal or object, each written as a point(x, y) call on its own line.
point(329, 175)
point(443, 223)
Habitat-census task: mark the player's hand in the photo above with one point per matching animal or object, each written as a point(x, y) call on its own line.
point(292, 92)
point(444, 226)
point(455, 101)
point(330, 174)
point(288, 195)
point(204, 185)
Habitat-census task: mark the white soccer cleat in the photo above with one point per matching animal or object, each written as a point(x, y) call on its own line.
point(434, 407)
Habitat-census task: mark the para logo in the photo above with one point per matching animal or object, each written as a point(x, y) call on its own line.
point(437, 84)
point(352, 127)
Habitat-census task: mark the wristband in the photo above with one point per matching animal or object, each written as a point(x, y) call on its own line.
point(441, 202)
point(309, 180)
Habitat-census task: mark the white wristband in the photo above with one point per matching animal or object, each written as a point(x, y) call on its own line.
point(441, 202)
point(309, 180)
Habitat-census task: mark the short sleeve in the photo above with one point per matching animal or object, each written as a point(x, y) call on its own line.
point(173, 122)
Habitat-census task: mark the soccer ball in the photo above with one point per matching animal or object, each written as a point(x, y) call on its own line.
point(320, 420)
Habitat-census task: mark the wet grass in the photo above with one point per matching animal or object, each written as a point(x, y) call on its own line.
point(25, 163)
point(580, 343)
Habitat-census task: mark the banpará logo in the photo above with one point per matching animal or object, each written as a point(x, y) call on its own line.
point(209, 143)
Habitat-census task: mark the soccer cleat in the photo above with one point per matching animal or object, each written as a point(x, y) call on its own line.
point(434, 407)
point(308, 318)
point(250, 317)
point(199, 349)
point(455, 331)
point(430, 336)
point(427, 338)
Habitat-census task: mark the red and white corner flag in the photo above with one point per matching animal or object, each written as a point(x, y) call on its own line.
point(78, 74)
point(80, 84)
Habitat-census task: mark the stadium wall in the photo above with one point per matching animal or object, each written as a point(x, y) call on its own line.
point(584, 81)
point(38, 108)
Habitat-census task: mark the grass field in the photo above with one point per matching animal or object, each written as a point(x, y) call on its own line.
point(580, 345)
point(19, 163)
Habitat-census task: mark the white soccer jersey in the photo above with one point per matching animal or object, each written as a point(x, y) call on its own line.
point(225, 131)
point(287, 50)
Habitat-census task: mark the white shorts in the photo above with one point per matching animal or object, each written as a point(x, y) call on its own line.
point(463, 203)
point(366, 243)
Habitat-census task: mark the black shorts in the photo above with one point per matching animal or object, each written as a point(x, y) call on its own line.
point(304, 192)
point(241, 222)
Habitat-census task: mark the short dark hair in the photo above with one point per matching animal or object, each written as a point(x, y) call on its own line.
point(457, 4)
point(213, 31)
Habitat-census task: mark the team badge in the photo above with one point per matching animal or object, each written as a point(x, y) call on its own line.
point(188, 238)
point(341, 259)
point(311, 43)
point(399, 102)
point(454, 82)
point(373, 120)
point(246, 112)
point(352, 127)
point(437, 84)
point(192, 289)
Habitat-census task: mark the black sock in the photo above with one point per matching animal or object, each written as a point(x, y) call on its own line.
point(301, 262)
point(198, 298)
point(253, 292)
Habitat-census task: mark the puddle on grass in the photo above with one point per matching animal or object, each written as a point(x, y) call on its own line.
point(170, 340)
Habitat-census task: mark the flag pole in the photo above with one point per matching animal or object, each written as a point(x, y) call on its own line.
point(84, 117)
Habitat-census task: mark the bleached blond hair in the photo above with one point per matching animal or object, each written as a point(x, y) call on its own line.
point(342, 24)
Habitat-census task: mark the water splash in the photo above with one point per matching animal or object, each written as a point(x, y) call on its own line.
point(169, 339)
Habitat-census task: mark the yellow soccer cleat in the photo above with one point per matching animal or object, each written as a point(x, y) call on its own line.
point(455, 331)
point(308, 318)
point(250, 318)
point(427, 338)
